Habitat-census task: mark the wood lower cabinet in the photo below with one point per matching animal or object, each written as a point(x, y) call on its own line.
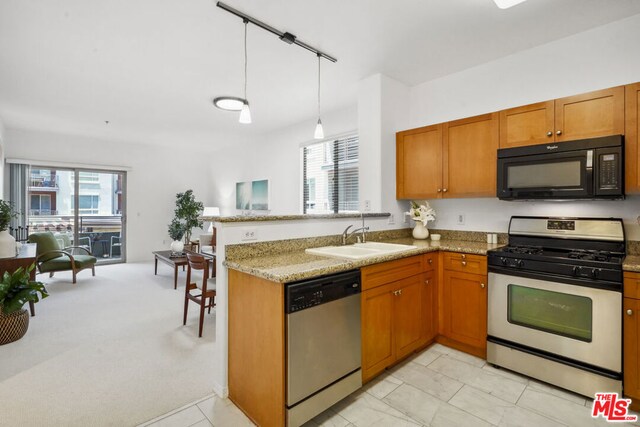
point(631, 338)
point(398, 317)
point(464, 309)
point(632, 130)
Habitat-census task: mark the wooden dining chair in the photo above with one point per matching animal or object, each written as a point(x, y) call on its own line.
point(206, 297)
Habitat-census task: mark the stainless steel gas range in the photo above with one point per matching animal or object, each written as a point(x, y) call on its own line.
point(555, 302)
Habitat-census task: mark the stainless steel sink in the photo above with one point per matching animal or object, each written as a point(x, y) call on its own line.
point(360, 250)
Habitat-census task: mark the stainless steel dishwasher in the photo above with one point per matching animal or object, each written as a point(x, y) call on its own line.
point(323, 343)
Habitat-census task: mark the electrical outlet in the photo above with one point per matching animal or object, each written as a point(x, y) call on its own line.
point(392, 219)
point(367, 205)
point(249, 234)
point(405, 219)
point(460, 219)
point(164, 242)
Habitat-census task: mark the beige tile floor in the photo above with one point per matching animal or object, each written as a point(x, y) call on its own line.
point(438, 387)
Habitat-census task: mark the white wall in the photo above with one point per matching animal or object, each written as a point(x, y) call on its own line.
point(156, 175)
point(2, 157)
point(276, 157)
point(595, 59)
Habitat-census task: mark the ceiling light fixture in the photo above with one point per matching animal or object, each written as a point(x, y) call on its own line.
point(319, 133)
point(245, 113)
point(506, 4)
point(242, 104)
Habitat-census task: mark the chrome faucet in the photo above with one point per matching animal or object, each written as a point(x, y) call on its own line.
point(363, 230)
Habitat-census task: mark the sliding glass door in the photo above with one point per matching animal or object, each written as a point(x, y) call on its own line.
point(82, 207)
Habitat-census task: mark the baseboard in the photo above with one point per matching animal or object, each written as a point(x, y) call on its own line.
point(220, 390)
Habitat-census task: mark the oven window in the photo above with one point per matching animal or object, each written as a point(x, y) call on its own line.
point(554, 312)
point(545, 175)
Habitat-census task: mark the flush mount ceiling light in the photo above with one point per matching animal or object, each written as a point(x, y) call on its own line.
point(229, 103)
point(242, 104)
point(506, 4)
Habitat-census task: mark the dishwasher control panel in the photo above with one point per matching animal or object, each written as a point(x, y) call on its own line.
point(310, 293)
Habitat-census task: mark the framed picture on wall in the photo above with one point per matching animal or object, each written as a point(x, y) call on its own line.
point(260, 195)
point(243, 195)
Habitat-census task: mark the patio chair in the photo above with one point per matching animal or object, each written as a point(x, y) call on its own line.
point(51, 259)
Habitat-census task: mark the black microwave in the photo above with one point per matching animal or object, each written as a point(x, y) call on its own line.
point(585, 169)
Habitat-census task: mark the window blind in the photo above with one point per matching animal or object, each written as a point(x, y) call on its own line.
point(330, 176)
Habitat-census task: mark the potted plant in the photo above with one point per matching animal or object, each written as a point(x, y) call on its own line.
point(176, 231)
point(16, 290)
point(7, 241)
point(421, 214)
point(187, 212)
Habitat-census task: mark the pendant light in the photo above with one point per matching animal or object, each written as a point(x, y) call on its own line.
point(319, 133)
point(245, 113)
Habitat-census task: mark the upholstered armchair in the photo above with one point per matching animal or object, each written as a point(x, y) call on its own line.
point(52, 258)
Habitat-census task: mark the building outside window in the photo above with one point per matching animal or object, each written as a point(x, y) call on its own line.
point(330, 176)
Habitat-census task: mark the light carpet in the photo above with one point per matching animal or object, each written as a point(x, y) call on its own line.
point(108, 351)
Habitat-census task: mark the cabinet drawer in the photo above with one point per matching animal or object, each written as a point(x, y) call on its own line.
point(387, 272)
point(466, 263)
point(430, 261)
point(631, 285)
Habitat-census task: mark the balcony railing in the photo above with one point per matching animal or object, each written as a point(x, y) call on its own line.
point(42, 182)
point(40, 212)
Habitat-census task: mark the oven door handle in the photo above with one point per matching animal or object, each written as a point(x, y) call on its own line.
point(599, 284)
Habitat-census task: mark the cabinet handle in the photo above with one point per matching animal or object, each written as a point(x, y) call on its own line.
point(426, 282)
point(629, 312)
point(400, 292)
point(559, 132)
point(439, 190)
point(463, 256)
point(444, 190)
point(464, 263)
point(482, 285)
point(430, 261)
point(549, 133)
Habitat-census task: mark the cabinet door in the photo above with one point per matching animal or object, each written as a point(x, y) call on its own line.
point(465, 308)
point(407, 328)
point(377, 325)
point(429, 306)
point(470, 153)
point(527, 125)
point(631, 326)
point(419, 163)
point(589, 115)
point(632, 130)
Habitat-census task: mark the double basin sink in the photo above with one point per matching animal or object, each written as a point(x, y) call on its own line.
point(360, 251)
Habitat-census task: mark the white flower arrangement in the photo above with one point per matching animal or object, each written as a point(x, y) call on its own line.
point(421, 212)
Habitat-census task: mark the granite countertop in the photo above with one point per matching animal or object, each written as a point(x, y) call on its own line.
point(298, 265)
point(250, 218)
point(631, 263)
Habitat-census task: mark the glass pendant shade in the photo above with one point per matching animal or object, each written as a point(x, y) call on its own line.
point(245, 114)
point(319, 133)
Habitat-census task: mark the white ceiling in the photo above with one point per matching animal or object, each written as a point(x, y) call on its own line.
point(152, 67)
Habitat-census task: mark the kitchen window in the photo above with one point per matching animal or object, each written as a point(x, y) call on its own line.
point(330, 176)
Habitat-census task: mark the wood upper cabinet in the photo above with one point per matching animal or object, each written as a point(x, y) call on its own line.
point(470, 153)
point(419, 163)
point(632, 130)
point(527, 125)
point(589, 115)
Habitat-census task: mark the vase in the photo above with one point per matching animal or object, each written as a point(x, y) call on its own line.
point(7, 245)
point(13, 326)
point(177, 246)
point(420, 232)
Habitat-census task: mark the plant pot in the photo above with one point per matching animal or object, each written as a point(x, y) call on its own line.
point(420, 232)
point(13, 326)
point(177, 246)
point(7, 245)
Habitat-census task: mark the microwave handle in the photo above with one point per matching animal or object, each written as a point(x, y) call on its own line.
point(589, 173)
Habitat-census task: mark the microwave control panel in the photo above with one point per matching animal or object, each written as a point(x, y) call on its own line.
point(608, 171)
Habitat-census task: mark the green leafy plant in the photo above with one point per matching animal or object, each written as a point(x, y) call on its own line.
point(187, 212)
point(6, 214)
point(176, 229)
point(17, 289)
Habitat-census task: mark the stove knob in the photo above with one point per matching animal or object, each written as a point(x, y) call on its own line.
point(520, 263)
point(576, 270)
point(595, 273)
point(504, 261)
